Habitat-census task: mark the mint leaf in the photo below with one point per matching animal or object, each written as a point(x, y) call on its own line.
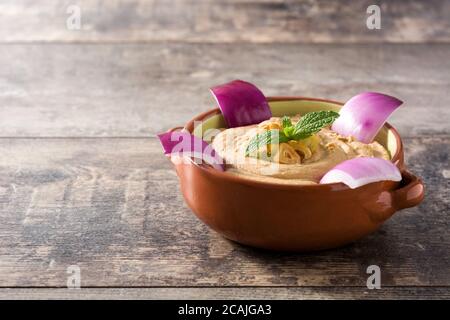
point(265, 138)
point(286, 122)
point(312, 122)
point(287, 126)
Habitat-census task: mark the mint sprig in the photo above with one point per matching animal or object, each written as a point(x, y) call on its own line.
point(308, 125)
point(265, 138)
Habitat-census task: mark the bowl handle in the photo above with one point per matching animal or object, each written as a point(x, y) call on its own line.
point(410, 193)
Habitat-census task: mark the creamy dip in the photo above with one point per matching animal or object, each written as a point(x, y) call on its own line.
point(330, 150)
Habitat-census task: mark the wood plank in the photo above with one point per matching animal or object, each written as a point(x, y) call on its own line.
point(113, 208)
point(266, 21)
point(140, 90)
point(315, 293)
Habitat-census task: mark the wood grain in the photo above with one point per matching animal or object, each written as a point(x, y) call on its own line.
point(139, 90)
point(244, 293)
point(219, 21)
point(112, 206)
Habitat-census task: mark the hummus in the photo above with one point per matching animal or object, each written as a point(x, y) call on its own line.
point(329, 150)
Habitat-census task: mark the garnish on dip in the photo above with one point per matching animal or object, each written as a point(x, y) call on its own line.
point(364, 114)
point(361, 171)
point(241, 103)
point(295, 141)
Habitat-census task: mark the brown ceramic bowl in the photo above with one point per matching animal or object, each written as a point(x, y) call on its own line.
point(292, 217)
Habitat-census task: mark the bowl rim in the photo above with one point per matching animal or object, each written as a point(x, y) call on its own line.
point(189, 126)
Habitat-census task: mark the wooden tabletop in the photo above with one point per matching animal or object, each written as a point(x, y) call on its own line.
point(83, 181)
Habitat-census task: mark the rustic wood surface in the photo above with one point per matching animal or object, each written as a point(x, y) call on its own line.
point(261, 21)
point(83, 180)
point(80, 183)
point(263, 293)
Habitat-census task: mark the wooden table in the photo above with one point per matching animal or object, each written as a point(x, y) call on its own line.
point(83, 180)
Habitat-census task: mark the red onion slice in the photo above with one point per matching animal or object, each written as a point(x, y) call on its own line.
point(181, 145)
point(360, 171)
point(364, 115)
point(241, 103)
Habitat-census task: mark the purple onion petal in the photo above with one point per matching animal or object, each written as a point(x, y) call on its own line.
point(360, 171)
point(364, 115)
point(241, 103)
point(183, 144)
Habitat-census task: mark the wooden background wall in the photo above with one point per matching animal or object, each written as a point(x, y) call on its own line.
point(259, 21)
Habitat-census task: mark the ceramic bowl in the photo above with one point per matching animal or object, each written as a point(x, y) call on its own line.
point(293, 217)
